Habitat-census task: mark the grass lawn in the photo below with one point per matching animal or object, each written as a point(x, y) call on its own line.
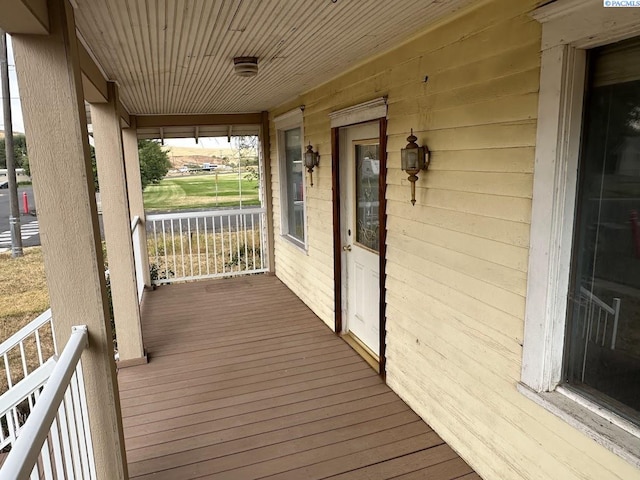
point(200, 191)
point(23, 296)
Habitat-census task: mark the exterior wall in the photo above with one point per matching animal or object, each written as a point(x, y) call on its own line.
point(457, 261)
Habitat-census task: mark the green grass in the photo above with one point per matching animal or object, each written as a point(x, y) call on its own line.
point(199, 191)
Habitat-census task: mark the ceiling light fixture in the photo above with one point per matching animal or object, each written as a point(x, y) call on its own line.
point(245, 66)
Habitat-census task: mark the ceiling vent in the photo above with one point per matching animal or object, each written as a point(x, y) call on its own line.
point(245, 66)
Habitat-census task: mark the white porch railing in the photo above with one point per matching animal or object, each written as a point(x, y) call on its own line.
point(43, 416)
point(600, 320)
point(193, 245)
point(136, 240)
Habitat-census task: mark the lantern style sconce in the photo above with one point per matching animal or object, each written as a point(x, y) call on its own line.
point(311, 160)
point(414, 158)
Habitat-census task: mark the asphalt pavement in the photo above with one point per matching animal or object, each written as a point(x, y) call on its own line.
point(30, 236)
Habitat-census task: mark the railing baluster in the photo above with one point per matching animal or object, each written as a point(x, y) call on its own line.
point(155, 243)
point(57, 449)
point(198, 246)
point(215, 244)
point(82, 444)
point(206, 245)
point(262, 241)
point(173, 242)
point(246, 243)
point(190, 249)
point(23, 358)
point(39, 347)
point(66, 442)
point(73, 434)
point(166, 254)
point(85, 416)
point(253, 241)
point(222, 235)
point(35, 474)
point(238, 227)
point(45, 454)
point(230, 243)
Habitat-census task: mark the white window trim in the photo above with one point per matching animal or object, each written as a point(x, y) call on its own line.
point(287, 121)
point(569, 27)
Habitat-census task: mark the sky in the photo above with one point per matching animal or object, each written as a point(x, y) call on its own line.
point(16, 111)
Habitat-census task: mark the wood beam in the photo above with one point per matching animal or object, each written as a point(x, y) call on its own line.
point(24, 16)
point(94, 84)
point(157, 121)
point(125, 118)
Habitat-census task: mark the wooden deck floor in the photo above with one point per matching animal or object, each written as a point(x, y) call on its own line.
point(245, 382)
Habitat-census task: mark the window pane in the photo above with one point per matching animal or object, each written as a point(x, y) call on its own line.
point(367, 178)
point(604, 328)
point(295, 183)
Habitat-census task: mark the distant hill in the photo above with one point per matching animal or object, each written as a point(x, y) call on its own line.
point(14, 134)
point(180, 156)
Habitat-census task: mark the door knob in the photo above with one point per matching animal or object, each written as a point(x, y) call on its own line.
point(346, 248)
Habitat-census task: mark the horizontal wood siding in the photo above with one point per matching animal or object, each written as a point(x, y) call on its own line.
point(457, 260)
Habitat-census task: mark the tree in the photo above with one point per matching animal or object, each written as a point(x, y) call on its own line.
point(154, 163)
point(20, 152)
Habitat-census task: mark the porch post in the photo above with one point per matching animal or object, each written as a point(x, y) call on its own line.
point(265, 145)
point(55, 122)
point(134, 189)
point(117, 226)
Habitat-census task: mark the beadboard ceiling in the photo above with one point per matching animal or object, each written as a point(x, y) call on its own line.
point(176, 56)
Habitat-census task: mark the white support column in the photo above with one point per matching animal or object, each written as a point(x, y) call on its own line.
point(134, 189)
point(117, 227)
point(55, 122)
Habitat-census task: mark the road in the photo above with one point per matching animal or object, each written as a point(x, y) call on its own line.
point(28, 222)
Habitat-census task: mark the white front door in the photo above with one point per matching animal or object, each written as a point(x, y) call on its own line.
point(359, 184)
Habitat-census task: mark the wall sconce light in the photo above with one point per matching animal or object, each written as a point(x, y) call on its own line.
point(414, 158)
point(311, 160)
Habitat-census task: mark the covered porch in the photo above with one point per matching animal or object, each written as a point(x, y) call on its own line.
point(244, 381)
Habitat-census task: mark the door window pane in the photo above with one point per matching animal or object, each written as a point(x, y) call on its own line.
point(603, 356)
point(295, 183)
point(367, 201)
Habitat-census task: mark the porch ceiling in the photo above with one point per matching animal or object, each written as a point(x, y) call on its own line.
point(176, 56)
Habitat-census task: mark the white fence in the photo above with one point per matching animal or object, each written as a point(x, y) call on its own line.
point(43, 414)
point(138, 249)
point(193, 245)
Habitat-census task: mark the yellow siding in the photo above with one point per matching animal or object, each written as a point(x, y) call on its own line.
point(457, 260)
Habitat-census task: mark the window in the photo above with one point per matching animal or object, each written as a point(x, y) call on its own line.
point(603, 324)
point(580, 259)
point(292, 177)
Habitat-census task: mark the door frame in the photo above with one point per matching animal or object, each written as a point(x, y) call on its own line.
point(337, 232)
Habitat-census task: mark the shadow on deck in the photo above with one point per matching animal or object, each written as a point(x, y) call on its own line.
point(245, 382)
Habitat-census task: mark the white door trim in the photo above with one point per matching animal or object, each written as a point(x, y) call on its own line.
point(363, 112)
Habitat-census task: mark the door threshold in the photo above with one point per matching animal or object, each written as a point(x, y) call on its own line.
point(361, 349)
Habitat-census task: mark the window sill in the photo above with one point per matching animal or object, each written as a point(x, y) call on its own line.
point(295, 243)
point(607, 429)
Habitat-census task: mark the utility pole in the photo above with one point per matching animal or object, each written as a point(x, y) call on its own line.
point(14, 211)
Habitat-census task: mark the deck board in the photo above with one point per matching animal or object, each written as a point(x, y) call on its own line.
point(245, 382)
